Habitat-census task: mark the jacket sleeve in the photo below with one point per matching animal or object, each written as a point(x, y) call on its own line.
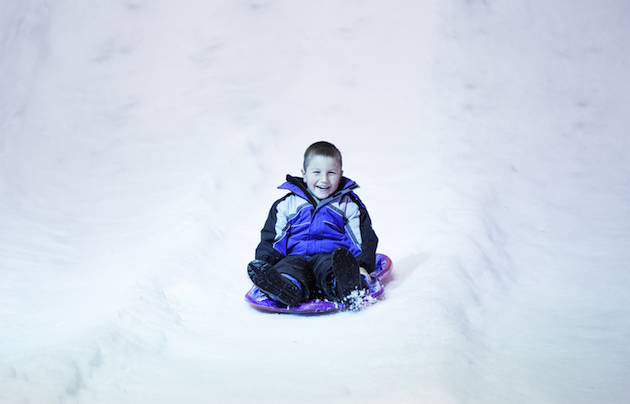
point(369, 240)
point(265, 250)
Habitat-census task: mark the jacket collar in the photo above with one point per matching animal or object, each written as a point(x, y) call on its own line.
point(298, 187)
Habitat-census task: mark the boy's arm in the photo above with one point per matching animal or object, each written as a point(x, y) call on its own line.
point(367, 258)
point(265, 250)
point(369, 240)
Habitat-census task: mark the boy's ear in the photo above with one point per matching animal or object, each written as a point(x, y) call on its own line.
point(303, 172)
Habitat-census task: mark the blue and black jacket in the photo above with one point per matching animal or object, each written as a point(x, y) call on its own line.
point(299, 224)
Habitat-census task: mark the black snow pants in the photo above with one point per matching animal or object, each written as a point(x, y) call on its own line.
point(314, 274)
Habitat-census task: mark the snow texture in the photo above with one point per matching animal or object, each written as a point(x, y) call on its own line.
point(141, 143)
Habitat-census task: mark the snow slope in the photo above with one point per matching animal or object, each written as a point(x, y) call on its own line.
point(141, 142)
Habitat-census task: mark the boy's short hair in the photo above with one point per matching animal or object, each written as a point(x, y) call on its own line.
point(322, 149)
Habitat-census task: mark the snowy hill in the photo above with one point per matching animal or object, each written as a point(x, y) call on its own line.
point(141, 142)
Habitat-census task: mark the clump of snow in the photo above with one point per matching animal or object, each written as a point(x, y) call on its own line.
point(359, 299)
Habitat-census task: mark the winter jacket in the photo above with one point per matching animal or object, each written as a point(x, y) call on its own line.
point(299, 224)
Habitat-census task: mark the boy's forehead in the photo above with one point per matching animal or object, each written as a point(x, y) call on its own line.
point(319, 160)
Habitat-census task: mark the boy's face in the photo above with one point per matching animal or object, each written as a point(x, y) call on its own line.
point(322, 176)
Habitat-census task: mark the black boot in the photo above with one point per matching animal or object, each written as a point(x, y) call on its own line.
point(272, 283)
point(346, 271)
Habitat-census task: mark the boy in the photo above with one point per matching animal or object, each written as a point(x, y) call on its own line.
point(318, 239)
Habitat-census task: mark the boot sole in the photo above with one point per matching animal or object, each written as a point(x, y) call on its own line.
point(346, 270)
point(274, 284)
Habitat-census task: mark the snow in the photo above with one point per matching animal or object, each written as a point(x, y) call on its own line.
point(141, 143)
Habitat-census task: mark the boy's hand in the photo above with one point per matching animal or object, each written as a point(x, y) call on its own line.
point(364, 271)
